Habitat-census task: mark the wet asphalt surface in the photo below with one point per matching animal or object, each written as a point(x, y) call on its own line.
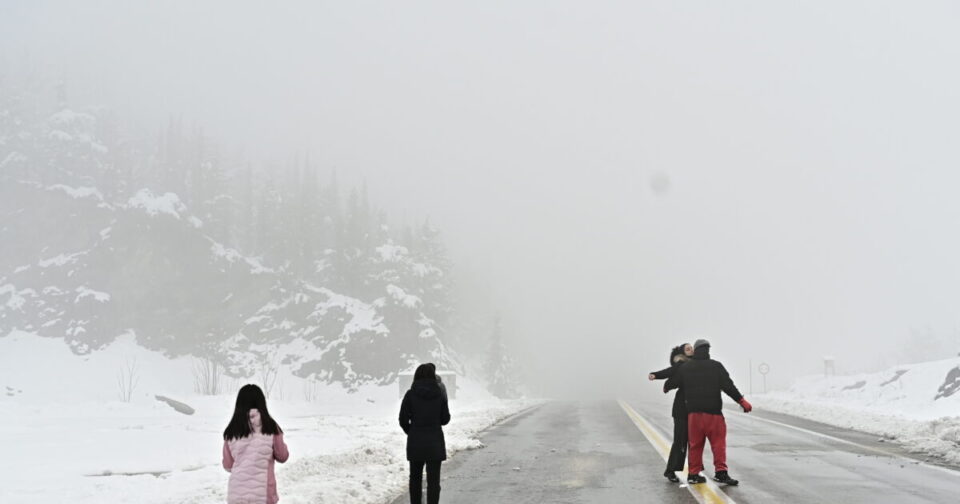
point(563, 453)
point(591, 452)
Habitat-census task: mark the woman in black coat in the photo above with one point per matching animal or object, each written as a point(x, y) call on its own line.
point(678, 452)
point(422, 414)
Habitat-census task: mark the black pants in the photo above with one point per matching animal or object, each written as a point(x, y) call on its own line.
point(678, 452)
point(416, 482)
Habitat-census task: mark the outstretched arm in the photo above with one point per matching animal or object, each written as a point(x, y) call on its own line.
point(727, 386)
point(663, 374)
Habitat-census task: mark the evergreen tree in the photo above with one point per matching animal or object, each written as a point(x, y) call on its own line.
point(328, 269)
point(500, 366)
point(246, 227)
point(433, 279)
point(309, 221)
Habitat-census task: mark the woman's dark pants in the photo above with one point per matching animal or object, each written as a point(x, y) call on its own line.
point(433, 481)
point(678, 452)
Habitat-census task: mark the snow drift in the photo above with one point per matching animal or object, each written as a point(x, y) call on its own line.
point(917, 405)
point(69, 435)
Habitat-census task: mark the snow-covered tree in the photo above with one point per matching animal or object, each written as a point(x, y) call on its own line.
point(500, 367)
point(158, 232)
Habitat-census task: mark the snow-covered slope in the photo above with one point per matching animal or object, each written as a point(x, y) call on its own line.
point(68, 437)
point(106, 230)
point(86, 271)
point(918, 405)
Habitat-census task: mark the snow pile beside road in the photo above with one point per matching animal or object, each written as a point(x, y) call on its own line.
point(917, 405)
point(374, 469)
point(68, 437)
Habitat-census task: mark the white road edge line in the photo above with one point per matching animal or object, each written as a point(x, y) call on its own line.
point(706, 493)
point(852, 443)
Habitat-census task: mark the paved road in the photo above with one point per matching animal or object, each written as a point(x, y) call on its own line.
point(593, 452)
point(560, 453)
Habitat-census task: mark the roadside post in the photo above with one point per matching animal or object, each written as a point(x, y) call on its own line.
point(763, 369)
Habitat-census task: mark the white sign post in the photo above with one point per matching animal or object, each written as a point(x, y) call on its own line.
point(763, 369)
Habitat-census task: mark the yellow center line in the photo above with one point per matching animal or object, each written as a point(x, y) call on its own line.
point(706, 493)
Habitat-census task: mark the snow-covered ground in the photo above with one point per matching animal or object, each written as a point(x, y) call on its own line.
point(917, 405)
point(68, 437)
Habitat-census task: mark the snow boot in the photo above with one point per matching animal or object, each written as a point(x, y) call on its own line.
point(723, 477)
point(672, 476)
point(695, 479)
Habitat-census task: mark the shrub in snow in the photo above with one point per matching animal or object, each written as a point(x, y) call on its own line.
point(206, 376)
point(268, 375)
point(311, 390)
point(127, 380)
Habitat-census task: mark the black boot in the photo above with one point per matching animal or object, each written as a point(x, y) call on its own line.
point(672, 476)
point(695, 479)
point(723, 477)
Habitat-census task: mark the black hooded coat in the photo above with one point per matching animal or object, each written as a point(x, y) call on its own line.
point(677, 359)
point(423, 412)
point(702, 379)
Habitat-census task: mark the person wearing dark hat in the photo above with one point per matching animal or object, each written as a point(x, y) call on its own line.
point(678, 451)
point(423, 413)
point(702, 379)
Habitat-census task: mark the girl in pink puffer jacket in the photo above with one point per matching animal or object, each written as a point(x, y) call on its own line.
point(251, 443)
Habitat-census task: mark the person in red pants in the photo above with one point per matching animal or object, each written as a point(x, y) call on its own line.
point(702, 379)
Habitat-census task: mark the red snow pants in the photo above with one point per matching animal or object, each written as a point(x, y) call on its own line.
point(703, 426)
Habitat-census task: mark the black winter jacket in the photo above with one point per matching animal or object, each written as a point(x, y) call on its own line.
point(679, 401)
point(422, 413)
point(702, 379)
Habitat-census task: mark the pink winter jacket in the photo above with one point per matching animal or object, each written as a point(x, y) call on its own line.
point(250, 461)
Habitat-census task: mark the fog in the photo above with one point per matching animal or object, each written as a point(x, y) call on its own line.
point(614, 178)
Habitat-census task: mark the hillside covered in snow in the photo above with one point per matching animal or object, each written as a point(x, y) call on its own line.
point(108, 231)
point(917, 405)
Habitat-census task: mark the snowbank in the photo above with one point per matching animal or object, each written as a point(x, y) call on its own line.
point(918, 405)
point(68, 436)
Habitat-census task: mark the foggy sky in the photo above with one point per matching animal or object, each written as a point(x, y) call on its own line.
point(811, 152)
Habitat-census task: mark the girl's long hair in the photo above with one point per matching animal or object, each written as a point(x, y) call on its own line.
point(250, 397)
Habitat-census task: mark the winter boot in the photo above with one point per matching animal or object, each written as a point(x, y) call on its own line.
point(695, 479)
point(723, 477)
point(672, 476)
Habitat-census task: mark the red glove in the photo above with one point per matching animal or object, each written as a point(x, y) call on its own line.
point(747, 407)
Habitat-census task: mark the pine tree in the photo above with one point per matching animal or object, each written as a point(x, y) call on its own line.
point(500, 367)
point(267, 231)
point(308, 219)
point(246, 225)
point(433, 281)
